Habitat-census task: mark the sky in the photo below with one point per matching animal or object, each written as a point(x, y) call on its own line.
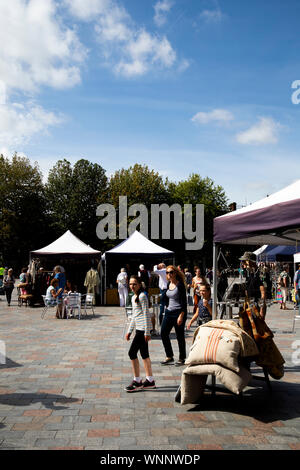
point(183, 86)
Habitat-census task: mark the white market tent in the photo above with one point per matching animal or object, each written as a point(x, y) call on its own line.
point(139, 245)
point(273, 220)
point(66, 244)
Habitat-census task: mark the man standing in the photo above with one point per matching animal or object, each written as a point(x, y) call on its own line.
point(254, 286)
point(297, 286)
point(160, 270)
point(144, 277)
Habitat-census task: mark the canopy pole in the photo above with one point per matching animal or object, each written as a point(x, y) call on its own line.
point(105, 281)
point(215, 281)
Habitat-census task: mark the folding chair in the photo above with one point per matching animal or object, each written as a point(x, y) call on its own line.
point(88, 303)
point(47, 304)
point(73, 301)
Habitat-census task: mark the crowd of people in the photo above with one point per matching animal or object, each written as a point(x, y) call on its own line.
point(175, 285)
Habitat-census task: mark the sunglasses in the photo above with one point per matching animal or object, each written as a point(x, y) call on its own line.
point(169, 272)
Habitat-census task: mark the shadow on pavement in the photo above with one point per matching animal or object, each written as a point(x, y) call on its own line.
point(281, 405)
point(10, 364)
point(26, 399)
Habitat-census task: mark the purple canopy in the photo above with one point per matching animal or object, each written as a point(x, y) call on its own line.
point(274, 220)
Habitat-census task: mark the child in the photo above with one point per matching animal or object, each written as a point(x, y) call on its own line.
point(141, 321)
point(204, 309)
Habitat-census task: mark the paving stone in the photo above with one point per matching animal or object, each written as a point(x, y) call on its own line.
point(48, 443)
point(38, 413)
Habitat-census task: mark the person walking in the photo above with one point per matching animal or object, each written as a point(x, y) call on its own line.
point(142, 323)
point(9, 284)
point(197, 280)
point(284, 281)
point(188, 279)
point(160, 270)
point(175, 315)
point(122, 287)
point(254, 286)
point(297, 287)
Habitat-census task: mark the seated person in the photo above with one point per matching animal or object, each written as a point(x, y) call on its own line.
point(70, 288)
point(204, 309)
point(24, 282)
point(52, 293)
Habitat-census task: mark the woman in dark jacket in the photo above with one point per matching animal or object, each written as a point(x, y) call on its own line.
point(175, 315)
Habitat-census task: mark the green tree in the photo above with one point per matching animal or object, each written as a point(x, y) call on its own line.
point(198, 190)
point(140, 185)
point(23, 219)
point(73, 194)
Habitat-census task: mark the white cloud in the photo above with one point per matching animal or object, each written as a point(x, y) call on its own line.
point(128, 49)
point(20, 122)
point(161, 9)
point(212, 16)
point(87, 9)
point(264, 132)
point(38, 50)
point(217, 115)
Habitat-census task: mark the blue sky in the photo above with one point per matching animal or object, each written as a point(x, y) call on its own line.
point(180, 85)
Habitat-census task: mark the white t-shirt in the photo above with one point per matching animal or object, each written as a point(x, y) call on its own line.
point(163, 283)
point(122, 278)
point(49, 295)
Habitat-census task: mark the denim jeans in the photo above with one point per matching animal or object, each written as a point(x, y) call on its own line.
point(298, 298)
point(163, 299)
point(170, 321)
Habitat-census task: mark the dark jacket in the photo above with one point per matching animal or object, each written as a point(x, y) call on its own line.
point(182, 297)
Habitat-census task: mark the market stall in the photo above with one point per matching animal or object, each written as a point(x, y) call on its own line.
point(274, 220)
point(68, 251)
point(134, 250)
point(275, 253)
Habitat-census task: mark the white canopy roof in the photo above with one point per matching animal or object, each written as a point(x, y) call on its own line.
point(67, 244)
point(260, 250)
point(138, 244)
point(297, 258)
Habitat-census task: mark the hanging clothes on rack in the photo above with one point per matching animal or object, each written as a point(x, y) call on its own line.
point(92, 283)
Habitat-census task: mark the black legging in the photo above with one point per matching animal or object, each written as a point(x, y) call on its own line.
point(139, 344)
point(8, 292)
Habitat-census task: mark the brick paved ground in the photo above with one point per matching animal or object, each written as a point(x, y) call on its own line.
point(62, 388)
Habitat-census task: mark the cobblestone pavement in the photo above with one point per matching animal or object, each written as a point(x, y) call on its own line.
point(62, 388)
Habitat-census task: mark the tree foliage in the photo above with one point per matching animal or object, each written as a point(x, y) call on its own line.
point(33, 213)
point(139, 184)
point(23, 219)
point(73, 194)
